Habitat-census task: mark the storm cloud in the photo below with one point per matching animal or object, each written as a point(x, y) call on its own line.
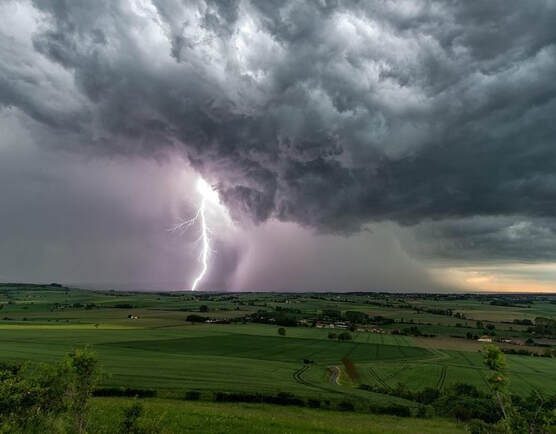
point(333, 115)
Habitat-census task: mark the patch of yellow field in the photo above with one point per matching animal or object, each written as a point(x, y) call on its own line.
point(63, 327)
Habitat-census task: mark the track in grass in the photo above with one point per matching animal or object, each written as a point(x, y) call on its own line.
point(298, 376)
point(378, 378)
point(397, 372)
point(441, 379)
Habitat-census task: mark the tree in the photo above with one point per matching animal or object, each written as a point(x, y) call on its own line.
point(38, 397)
point(203, 308)
point(282, 331)
point(495, 360)
point(344, 336)
point(535, 413)
point(32, 396)
point(356, 316)
point(83, 364)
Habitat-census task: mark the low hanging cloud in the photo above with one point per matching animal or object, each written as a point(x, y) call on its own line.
point(330, 114)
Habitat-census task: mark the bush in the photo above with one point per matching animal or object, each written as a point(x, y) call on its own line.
point(36, 398)
point(131, 416)
point(477, 426)
point(282, 331)
point(356, 316)
point(344, 336)
point(425, 411)
point(196, 318)
point(120, 391)
point(393, 409)
point(192, 395)
point(282, 398)
point(313, 403)
point(346, 406)
point(427, 396)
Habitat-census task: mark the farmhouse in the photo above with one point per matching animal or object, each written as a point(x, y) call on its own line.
point(485, 339)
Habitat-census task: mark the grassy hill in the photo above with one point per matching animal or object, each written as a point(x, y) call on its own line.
point(418, 342)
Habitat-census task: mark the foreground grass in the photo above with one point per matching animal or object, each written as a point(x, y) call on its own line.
point(172, 416)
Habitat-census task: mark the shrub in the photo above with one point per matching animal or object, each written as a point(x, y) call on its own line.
point(356, 316)
point(346, 406)
point(131, 416)
point(344, 336)
point(282, 398)
point(313, 403)
point(282, 331)
point(425, 411)
point(120, 391)
point(36, 398)
point(393, 409)
point(427, 396)
point(196, 318)
point(192, 395)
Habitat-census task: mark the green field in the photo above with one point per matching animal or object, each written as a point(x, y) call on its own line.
point(162, 351)
point(207, 357)
point(200, 417)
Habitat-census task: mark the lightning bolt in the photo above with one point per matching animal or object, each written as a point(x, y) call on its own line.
point(207, 195)
point(205, 246)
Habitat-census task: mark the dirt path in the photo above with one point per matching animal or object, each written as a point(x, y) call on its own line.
point(334, 374)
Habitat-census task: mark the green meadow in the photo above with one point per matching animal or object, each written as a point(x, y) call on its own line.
point(173, 416)
point(162, 351)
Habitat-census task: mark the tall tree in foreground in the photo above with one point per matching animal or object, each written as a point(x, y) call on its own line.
point(84, 377)
point(495, 360)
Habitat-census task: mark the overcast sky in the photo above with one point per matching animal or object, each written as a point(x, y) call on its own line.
point(388, 145)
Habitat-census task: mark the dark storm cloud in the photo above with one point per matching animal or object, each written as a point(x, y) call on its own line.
point(330, 114)
point(486, 239)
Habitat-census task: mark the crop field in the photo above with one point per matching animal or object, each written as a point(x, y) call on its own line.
point(209, 358)
point(216, 343)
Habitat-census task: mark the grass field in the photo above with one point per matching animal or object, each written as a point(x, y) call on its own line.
point(207, 358)
point(195, 417)
point(162, 351)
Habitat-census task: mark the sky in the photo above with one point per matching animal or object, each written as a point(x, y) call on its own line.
point(388, 145)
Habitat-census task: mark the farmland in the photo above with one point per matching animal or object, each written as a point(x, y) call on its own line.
point(176, 343)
